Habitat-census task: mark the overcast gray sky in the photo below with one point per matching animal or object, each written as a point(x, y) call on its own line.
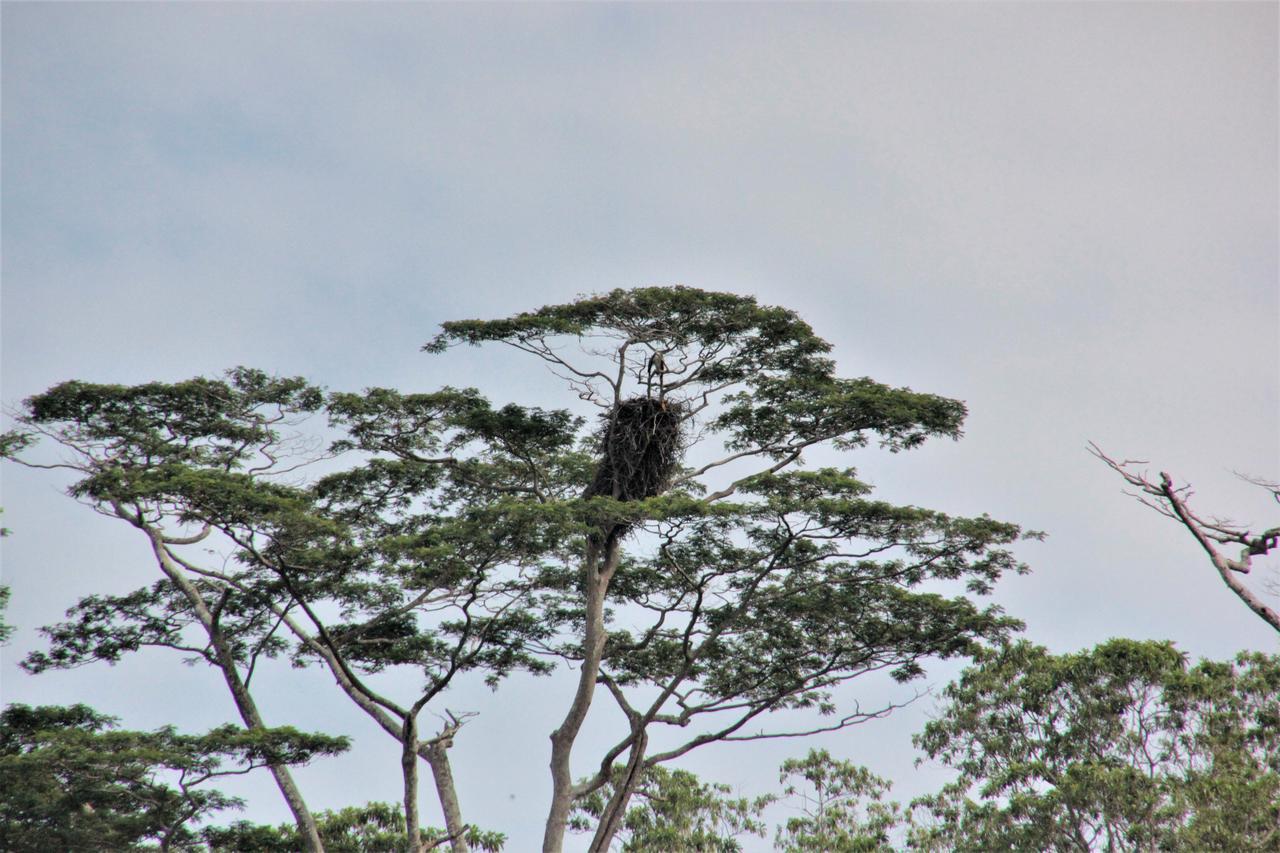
point(1065, 215)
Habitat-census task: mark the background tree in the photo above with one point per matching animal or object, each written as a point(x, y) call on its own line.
point(674, 810)
point(71, 782)
point(1211, 533)
point(371, 828)
point(841, 807)
point(1123, 747)
point(6, 630)
point(835, 807)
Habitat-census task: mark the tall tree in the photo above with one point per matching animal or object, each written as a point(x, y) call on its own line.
point(673, 552)
point(746, 586)
point(128, 446)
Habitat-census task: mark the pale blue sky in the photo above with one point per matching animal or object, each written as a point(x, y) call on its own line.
point(1065, 215)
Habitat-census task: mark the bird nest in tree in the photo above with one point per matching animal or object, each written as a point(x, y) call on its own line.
point(640, 447)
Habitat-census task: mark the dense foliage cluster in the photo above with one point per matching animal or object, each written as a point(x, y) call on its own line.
point(1122, 747)
point(73, 782)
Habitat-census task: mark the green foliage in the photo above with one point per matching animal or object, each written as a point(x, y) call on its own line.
point(105, 628)
point(69, 781)
point(836, 807)
point(12, 443)
point(788, 611)
point(201, 422)
point(369, 539)
point(840, 804)
point(456, 537)
point(752, 337)
point(371, 828)
point(6, 630)
point(672, 810)
point(787, 398)
point(1121, 747)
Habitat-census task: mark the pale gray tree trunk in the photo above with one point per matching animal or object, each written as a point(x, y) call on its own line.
point(437, 756)
point(597, 571)
point(240, 694)
point(433, 751)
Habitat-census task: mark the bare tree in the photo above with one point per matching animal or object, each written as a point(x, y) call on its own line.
point(1213, 534)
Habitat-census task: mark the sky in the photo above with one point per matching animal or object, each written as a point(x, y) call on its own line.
point(1063, 214)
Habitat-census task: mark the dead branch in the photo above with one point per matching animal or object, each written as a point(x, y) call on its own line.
point(1173, 501)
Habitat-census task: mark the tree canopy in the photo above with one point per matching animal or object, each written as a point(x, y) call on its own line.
point(74, 782)
point(673, 553)
point(1121, 747)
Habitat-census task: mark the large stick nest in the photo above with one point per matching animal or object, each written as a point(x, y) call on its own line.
point(640, 449)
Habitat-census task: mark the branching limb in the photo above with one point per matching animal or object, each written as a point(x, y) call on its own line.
point(1169, 500)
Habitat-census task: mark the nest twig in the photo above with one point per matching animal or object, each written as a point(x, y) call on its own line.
point(640, 448)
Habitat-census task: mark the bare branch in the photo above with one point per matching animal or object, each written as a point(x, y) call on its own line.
point(1171, 500)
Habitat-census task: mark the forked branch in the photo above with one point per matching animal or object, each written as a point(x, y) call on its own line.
point(1171, 500)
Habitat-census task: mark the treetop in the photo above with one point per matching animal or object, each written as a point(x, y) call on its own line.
point(673, 315)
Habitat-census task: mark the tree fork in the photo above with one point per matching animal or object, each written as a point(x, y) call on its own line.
point(432, 751)
point(616, 808)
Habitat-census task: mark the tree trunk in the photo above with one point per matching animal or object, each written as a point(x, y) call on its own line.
point(597, 571)
point(239, 693)
point(438, 757)
point(433, 751)
point(616, 808)
point(284, 779)
point(409, 769)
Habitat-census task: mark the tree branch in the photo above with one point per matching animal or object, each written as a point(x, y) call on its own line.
point(1172, 502)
